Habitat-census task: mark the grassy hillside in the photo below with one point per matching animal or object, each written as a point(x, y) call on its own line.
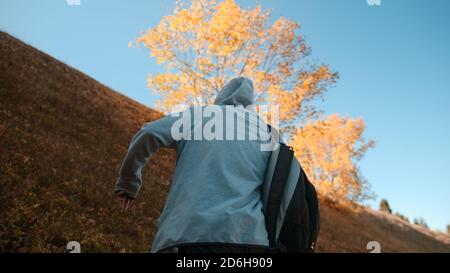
point(62, 138)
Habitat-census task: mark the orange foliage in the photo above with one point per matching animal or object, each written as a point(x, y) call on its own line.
point(328, 150)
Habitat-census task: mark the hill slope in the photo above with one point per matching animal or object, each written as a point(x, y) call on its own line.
point(62, 138)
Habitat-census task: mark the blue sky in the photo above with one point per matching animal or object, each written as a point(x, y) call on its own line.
point(393, 60)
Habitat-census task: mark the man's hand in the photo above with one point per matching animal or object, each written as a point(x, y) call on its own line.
point(126, 200)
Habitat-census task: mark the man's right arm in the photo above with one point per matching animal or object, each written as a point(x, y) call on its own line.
point(145, 142)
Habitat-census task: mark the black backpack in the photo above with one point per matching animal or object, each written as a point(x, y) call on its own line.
point(291, 207)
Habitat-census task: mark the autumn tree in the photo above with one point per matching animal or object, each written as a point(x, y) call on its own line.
point(421, 222)
point(401, 216)
point(385, 207)
point(329, 150)
point(448, 229)
point(205, 43)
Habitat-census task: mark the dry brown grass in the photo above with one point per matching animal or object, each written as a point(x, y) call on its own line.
point(62, 138)
point(347, 229)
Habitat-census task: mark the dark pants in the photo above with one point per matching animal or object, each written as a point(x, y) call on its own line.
point(221, 248)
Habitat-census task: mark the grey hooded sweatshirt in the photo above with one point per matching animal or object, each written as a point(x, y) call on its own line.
point(215, 192)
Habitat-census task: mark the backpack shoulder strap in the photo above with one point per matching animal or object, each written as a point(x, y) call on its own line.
point(276, 191)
